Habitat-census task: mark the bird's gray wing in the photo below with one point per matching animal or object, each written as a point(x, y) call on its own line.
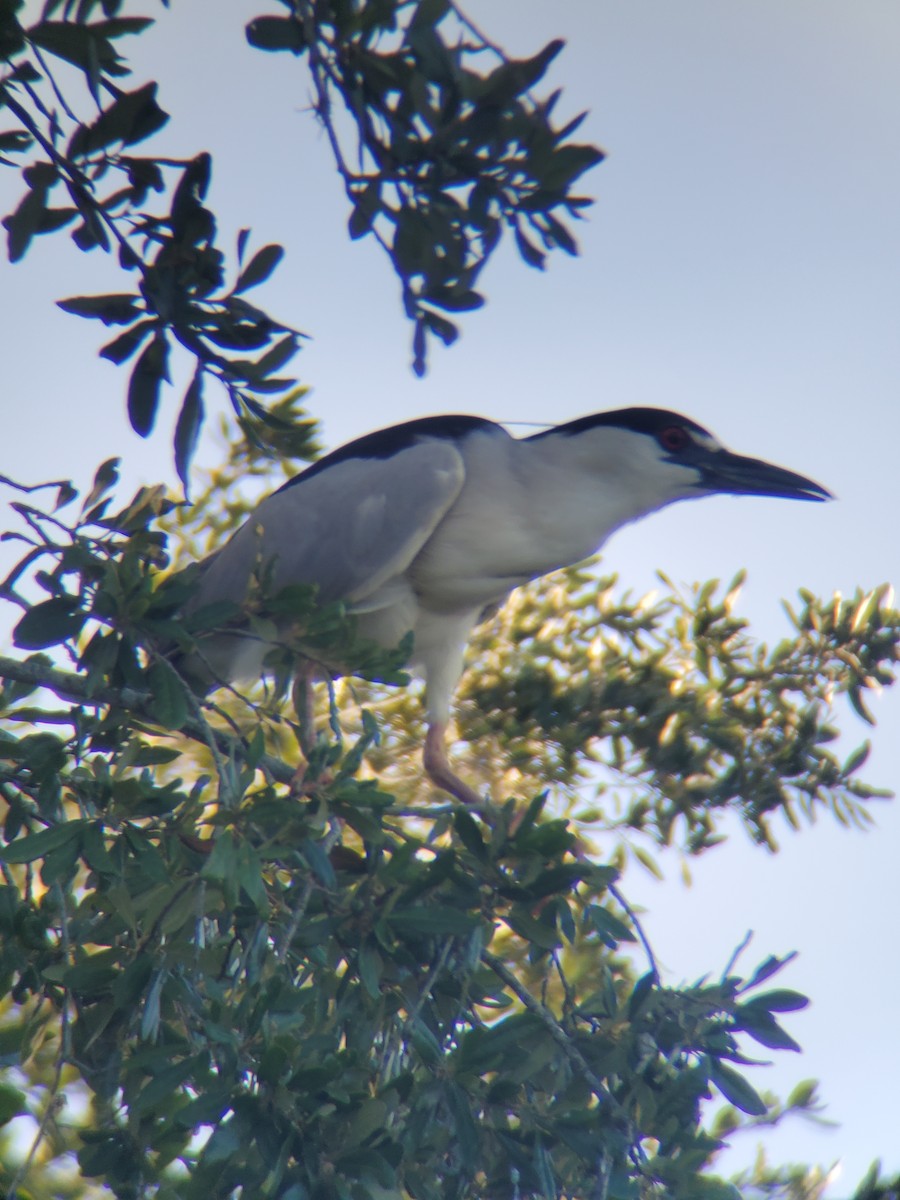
point(349, 529)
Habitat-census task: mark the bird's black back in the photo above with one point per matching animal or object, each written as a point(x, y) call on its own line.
point(385, 443)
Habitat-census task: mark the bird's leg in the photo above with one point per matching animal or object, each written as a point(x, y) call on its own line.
point(304, 701)
point(438, 770)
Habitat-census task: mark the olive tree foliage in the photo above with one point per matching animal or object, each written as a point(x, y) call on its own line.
point(340, 983)
point(222, 975)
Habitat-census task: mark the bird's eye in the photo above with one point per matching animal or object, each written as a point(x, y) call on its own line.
point(674, 438)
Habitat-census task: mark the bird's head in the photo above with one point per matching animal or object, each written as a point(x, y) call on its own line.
point(664, 457)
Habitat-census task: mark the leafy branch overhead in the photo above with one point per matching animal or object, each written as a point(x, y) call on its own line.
point(87, 175)
point(447, 155)
point(439, 154)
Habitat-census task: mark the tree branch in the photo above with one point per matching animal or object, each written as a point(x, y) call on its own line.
point(75, 688)
point(559, 1035)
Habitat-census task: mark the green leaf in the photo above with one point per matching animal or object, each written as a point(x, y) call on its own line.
point(566, 164)
point(556, 880)
point(259, 268)
point(14, 139)
point(55, 218)
point(25, 222)
point(444, 329)
point(469, 834)
point(537, 933)
point(77, 44)
point(249, 876)
point(366, 206)
point(222, 863)
point(611, 929)
point(114, 309)
point(117, 27)
point(856, 759)
point(94, 851)
point(763, 1028)
point(779, 1000)
point(371, 966)
point(454, 299)
point(187, 428)
point(131, 117)
point(165, 1083)
point(168, 702)
point(429, 13)
point(37, 845)
point(432, 920)
point(105, 478)
point(12, 1103)
point(93, 974)
point(318, 862)
point(276, 33)
point(49, 623)
point(640, 993)
point(368, 1118)
point(144, 386)
point(770, 966)
point(736, 1089)
point(529, 252)
point(121, 348)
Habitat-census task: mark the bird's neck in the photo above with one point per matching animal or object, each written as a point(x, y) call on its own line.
point(579, 490)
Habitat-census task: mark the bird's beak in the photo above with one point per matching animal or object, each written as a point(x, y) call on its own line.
point(735, 475)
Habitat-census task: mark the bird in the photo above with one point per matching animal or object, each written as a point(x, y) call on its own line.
point(427, 526)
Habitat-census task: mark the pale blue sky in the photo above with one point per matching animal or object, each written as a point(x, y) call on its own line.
point(740, 265)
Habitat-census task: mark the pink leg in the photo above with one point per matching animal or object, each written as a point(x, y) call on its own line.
point(438, 769)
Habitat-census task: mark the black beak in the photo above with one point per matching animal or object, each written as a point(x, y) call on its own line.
point(735, 475)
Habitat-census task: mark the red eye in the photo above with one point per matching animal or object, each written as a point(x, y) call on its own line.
point(674, 438)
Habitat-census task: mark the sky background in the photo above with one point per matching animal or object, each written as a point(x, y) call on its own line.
point(740, 266)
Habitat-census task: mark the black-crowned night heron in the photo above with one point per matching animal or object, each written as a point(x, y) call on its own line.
point(429, 525)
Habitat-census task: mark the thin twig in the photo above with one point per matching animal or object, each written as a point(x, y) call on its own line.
point(68, 686)
point(730, 965)
point(61, 100)
point(329, 840)
point(68, 169)
point(559, 1035)
point(467, 23)
point(632, 916)
point(413, 1014)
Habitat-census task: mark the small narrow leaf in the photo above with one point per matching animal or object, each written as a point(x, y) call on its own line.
point(111, 310)
point(187, 428)
point(121, 348)
point(37, 845)
point(529, 252)
point(769, 967)
point(130, 118)
point(259, 268)
point(49, 623)
point(737, 1090)
point(779, 1000)
point(144, 386)
point(276, 33)
point(105, 478)
point(469, 834)
point(436, 920)
point(168, 702)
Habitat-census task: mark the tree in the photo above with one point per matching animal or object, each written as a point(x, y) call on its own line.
point(343, 987)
